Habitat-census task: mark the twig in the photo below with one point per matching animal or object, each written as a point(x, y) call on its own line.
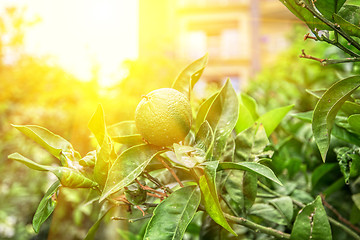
point(171, 171)
point(344, 60)
point(304, 55)
point(131, 220)
point(338, 215)
point(257, 227)
point(307, 36)
point(138, 207)
point(155, 195)
point(333, 26)
point(150, 189)
point(157, 182)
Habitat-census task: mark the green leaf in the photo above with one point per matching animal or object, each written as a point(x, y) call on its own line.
point(285, 207)
point(204, 139)
point(312, 223)
point(188, 156)
point(210, 197)
point(350, 108)
point(250, 143)
point(272, 119)
point(356, 199)
point(68, 177)
point(128, 166)
point(326, 109)
point(328, 7)
point(53, 143)
point(242, 188)
point(321, 171)
point(46, 207)
point(348, 27)
point(350, 12)
point(304, 15)
point(190, 75)
point(354, 121)
point(222, 116)
point(251, 167)
point(105, 208)
point(304, 116)
point(172, 216)
point(268, 212)
point(247, 113)
point(97, 125)
point(29, 163)
point(345, 135)
point(203, 111)
point(125, 133)
point(88, 160)
point(103, 162)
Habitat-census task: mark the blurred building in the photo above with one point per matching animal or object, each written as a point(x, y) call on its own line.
point(239, 35)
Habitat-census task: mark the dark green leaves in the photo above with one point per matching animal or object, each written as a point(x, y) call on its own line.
point(128, 166)
point(329, 7)
point(327, 108)
point(190, 75)
point(46, 207)
point(303, 14)
point(312, 223)
point(172, 216)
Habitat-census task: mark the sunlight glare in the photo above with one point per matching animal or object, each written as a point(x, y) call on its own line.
point(84, 33)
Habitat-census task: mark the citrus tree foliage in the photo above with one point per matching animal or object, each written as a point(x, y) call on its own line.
point(230, 177)
point(216, 171)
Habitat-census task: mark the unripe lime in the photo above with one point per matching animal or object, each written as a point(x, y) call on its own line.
point(163, 117)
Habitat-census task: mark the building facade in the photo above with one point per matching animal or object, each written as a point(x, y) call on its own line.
point(238, 35)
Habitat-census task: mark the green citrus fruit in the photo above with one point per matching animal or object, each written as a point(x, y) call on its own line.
point(163, 117)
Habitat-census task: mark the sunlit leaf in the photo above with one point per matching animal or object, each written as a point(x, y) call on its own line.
point(251, 167)
point(222, 116)
point(188, 156)
point(125, 133)
point(356, 199)
point(270, 120)
point(210, 197)
point(68, 177)
point(172, 216)
point(53, 143)
point(128, 166)
point(190, 75)
point(103, 162)
point(88, 160)
point(203, 111)
point(247, 113)
point(326, 109)
point(312, 223)
point(204, 139)
point(97, 124)
point(46, 207)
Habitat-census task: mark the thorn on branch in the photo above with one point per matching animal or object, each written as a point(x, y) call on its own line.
point(304, 55)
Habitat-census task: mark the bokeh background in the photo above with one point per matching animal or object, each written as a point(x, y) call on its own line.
point(59, 59)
